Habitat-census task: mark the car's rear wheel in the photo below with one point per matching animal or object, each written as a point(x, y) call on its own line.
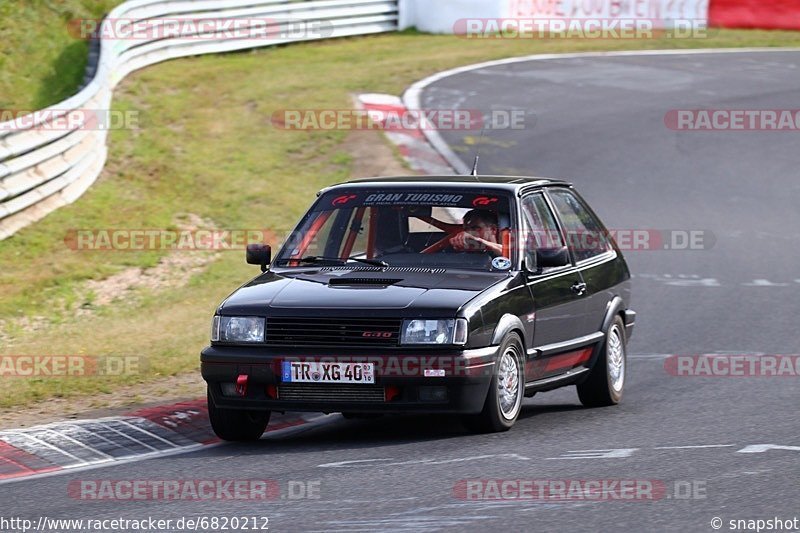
point(504, 401)
point(237, 425)
point(606, 380)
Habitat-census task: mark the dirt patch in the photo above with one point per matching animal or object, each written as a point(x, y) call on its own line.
point(173, 270)
point(25, 324)
point(373, 155)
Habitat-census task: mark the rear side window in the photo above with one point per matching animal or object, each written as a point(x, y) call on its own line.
point(585, 235)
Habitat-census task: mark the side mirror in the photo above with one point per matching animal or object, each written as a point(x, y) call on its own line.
point(552, 257)
point(259, 254)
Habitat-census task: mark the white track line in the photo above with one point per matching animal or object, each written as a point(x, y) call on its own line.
point(105, 464)
point(695, 447)
point(153, 435)
point(128, 437)
point(44, 444)
point(78, 443)
point(308, 424)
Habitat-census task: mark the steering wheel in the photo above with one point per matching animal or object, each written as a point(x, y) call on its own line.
point(442, 243)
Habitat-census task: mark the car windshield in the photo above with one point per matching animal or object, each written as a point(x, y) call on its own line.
point(449, 228)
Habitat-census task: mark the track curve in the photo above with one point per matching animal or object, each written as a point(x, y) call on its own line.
point(600, 123)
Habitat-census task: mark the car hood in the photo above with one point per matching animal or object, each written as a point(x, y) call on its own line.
point(369, 293)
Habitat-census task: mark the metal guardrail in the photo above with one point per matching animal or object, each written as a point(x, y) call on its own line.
point(43, 168)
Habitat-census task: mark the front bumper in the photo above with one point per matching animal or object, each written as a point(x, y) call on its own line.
point(401, 385)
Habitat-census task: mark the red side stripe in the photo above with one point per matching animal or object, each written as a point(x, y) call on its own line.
point(568, 360)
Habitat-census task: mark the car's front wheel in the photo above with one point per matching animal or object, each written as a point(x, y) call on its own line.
point(237, 425)
point(606, 380)
point(504, 401)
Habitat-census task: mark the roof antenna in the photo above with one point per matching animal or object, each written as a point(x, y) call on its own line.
point(474, 172)
point(475, 165)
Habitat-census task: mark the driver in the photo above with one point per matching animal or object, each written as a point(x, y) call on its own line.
point(479, 235)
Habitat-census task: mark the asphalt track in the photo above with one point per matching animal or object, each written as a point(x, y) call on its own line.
point(599, 122)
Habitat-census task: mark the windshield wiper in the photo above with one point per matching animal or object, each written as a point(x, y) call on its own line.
point(319, 259)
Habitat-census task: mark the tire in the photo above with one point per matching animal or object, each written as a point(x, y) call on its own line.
point(500, 411)
point(606, 381)
point(237, 425)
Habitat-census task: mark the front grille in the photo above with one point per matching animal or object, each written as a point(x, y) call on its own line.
point(311, 331)
point(318, 392)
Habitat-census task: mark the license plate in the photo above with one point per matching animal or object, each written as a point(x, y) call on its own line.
point(299, 372)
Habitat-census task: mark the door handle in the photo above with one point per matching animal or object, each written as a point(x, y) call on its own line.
point(579, 288)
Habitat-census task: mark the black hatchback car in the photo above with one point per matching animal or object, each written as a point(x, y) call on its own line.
point(449, 294)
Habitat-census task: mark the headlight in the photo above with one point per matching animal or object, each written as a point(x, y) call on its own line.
point(434, 332)
point(237, 329)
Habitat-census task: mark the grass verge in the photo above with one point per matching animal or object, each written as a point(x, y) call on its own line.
point(40, 62)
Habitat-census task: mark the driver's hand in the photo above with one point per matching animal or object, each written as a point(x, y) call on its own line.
point(465, 242)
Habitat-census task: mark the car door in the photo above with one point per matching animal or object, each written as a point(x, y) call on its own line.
point(592, 252)
point(558, 303)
